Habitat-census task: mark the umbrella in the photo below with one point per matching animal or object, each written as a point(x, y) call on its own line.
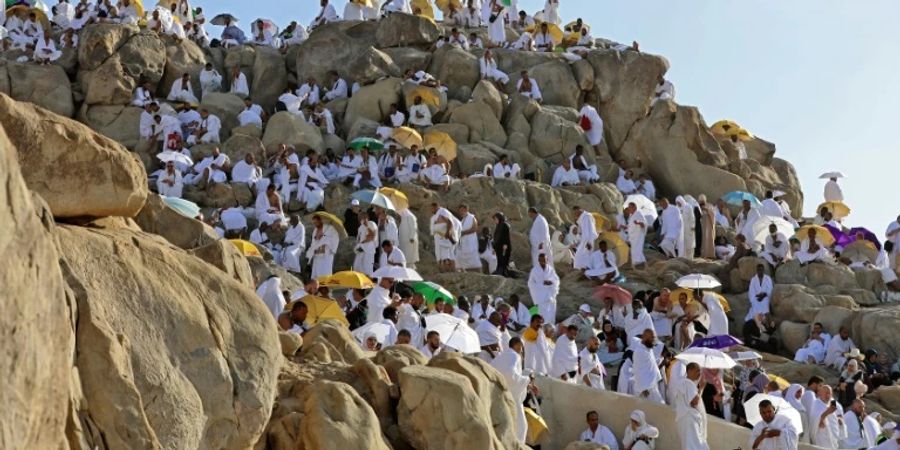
point(444, 5)
point(737, 198)
point(423, 7)
point(556, 33)
point(600, 222)
point(381, 331)
point(139, 7)
point(822, 234)
point(761, 229)
point(397, 197)
point(267, 25)
point(619, 294)
point(690, 294)
point(246, 248)
point(782, 383)
point(432, 291)
point(643, 204)
point(430, 96)
point(615, 243)
point(455, 332)
point(184, 207)
point(722, 127)
point(707, 358)
point(751, 408)
point(338, 224)
point(374, 198)
point(741, 133)
point(321, 308)
point(698, 281)
point(397, 273)
point(407, 137)
point(442, 143)
point(38, 14)
point(222, 18)
point(860, 251)
point(830, 175)
point(838, 210)
point(372, 143)
point(745, 356)
point(867, 235)
point(717, 342)
point(346, 279)
point(571, 26)
point(537, 427)
point(176, 157)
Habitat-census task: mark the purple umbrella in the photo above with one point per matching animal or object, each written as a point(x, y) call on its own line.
point(867, 235)
point(837, 234)
point(717, 342)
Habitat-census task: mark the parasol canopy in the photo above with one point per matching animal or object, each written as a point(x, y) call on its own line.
point(371, 143)
point(337, 223)
point(222, 18)
point(246, 248)
point(321, 308)
point(346, 279)
point(823, 234)
point(454, 332)
point(374, 198)
point(838, 210)
point(617, 293)
point(736, 198)
point(698, 281)
point(397, 197)
point(706, 358)
point(397, 273)
point(643, 204)
point(407, 137)
point(442, 143)
point(433, 291)
point(618, 246)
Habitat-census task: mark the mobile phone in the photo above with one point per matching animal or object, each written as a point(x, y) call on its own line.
point(834, 403)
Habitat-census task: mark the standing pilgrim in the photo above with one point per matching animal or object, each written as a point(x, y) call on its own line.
point(672, 228)
point(467, 255)
point(537, 348)
point(645, 367)
point(366, 244)
point(637, 231)
point(408, 231)
point(833, 192)
point(509, 364)
point(496, 24)
point(688, 239)
point(502, 242)
point(588, 229)
point(239, 84)
point(324, 245)
point(445, 232)
point(592, 125)
point(539, 236)
point(543, 286)
point(708, 228)
point(690, 414)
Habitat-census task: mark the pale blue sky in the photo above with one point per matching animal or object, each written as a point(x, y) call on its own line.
point(819, 78)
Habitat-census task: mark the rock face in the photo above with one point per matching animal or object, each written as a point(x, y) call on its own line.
point(77, 171)
point(286, 128)
point(157, 217)
point(35, 375)
point(346, 47)
point(337, 417)
point(45, 86)
point(405, 30)
point(171, 354)
point(117, 122)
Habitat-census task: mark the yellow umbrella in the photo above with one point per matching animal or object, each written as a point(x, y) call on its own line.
point(397, 197)
point(838, 209)
point(347, 279)
point(676, 293)
point(38, 14)
point(323, 308)
point(741, 133)
point(337, 223)
point(166, 3)
point(407, 137)
point(615, 243)
point(722, 127)
point(859, 250)
point(430, 96)
point(782, 383)
point(537, 428)
point(139, 7)
point(556, 33)
point(444, 5)
point(571, 26)
point(822, 234)
point(442, 143)
point(362, 2)
point(424, 8)
point(246, 247)
point(599, 221)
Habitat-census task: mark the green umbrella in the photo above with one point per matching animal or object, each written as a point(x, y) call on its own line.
point(373, 144)
point(433, 291)
point(533, 310)
point(507, 2)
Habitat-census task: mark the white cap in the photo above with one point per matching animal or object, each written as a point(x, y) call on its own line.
point(584, 308)
point(354, 202)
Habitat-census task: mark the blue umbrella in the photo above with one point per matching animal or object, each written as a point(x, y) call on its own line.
point(737, 198)
point(374, 198)
point(717, 342)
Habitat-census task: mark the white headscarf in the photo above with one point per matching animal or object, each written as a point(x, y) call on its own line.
point(643, 429)
point(790, 396)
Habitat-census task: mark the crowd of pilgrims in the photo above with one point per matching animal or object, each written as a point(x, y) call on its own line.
point(627, 347)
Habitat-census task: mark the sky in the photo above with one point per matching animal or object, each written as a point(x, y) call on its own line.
point(819, 78)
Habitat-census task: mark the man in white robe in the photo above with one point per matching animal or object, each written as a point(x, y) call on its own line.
point(294, 245)
point(564, 364)
point(590, 367)
point(445, 237)
point(759, 294)
point(588, 234)
point(837, 348)
point(833, 192)
point(813, 351)
point(169, 184)
point(812, 250)
point(718, 320)
point(246, 171)
point(774, 431)
point(419, 114)
point(506, 170)
point(543, 40)
point(604, 266)
point(672, 228)
point(395, 118)
point(411, 320)
point(551, 15)
point(645, 367)
point(496, 23)
point(826, 418)
point(528, 87)
point(366, 244)
point(338, 87)
point(893, 235)
point(390, 255)
point(598, 434)
point(538, 352)
point(378, 299)
point(543, 286)
point(311, 186)
point(856, 433)
point(665, 90)
point(45, 49)
point(690, 414)
point(210, 80)
point(308, 93)
point(467, 255)
point(270, 293)
point(408, 232)
point(539, 236)
point(688, 240)
point(637, 232)
point(565, 175)
point(488, 68)
point(322, 248)
point(509, 364)
point(326, 15)
point(490, 336)
point(208, 130)
point(182, 91)
point(590, 121)
point(776, 249)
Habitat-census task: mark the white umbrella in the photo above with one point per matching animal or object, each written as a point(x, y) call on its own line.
point(644, 205)
point(745, 356)
point(707, 358)
point(380, 330)
point(455, 332)
point(761, 229)
point(782, 407)
point(176, 157)
point(698, 281)
point(397, 273)
point(828, 175)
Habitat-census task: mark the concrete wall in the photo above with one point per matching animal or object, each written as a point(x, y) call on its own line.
point(565, 405)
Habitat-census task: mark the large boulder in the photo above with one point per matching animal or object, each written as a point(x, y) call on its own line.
point(487, 92)
point(120, 123)
point(346, 47)
point(77, 171)
point(37, 349)
point(223, 255)
point(331, 341)
point(406, 58)
point(558, 84)
point(877, 328)
point(289, 129)
point(98, 42)
point(45, 86)
point(624, 83)
point(112, 81)
point(182, 57)
point(337, 417)
point(239, 145)
point(456, 68)
point(553, 137)
point(158, 218)
point(483, 125)
point(406, 30)
point(190, 360)
point(373, 102)
point(668, 143)
point(793, 335)
point(269, 77)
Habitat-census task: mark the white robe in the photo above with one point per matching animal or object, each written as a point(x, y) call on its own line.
point(489, 71)
point(602, 264)
point(833, 192)
point(805, 256)
point(543, 295)
point(691, 420)
point(45, 50)
point(242, 172)
point(832, 431)
point(181, 92)
point(595, 134)
point(408, 232)
point(509, 364)
point(467, 256)
point(787, 441)
point(311, 187)
point(538, 354)
point(328, 244)
point(364, 261)
point(646, 374)
point(672, 229)
point(210, 81)
point(239, 86)
point(270, 293)
point(539, 238)
point(856, 433)
point(396, 258)
point(378, 299)
point(534, 93)
point(562, 176)
point(814, 349)
point(308, 94)
point(565, 357)
point(551, 13)
point(637, 232)
point(497, 28)
point(775, 255)
point(588, 230)
point(759, 306)
point(688, 241)
point(592, 368)
point(173, 190)
point(601, 436)
point(444, 248)
point(295, 245)
point(420, 115)
point(837, 347)
point(718, 320)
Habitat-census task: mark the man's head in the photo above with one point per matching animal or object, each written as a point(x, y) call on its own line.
point(859, 407)
point(299, 312)
point(433, 338)
point(516, 345)
point(760, 270)
point(693, 371)
point(824, 393)
point(542, 260)
point(387, 246)
point(532, 212)
point(844, 332)
point(495, 319)
point(767, 411)
point(571, 332)
point(602, 246)
point(404, 337)
point(537, 321)
point(390, 313)
point(593, 420)
point(593, 344)
point(439, 304)
point(648, 338)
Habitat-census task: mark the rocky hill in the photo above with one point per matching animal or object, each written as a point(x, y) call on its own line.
point(130, 326)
